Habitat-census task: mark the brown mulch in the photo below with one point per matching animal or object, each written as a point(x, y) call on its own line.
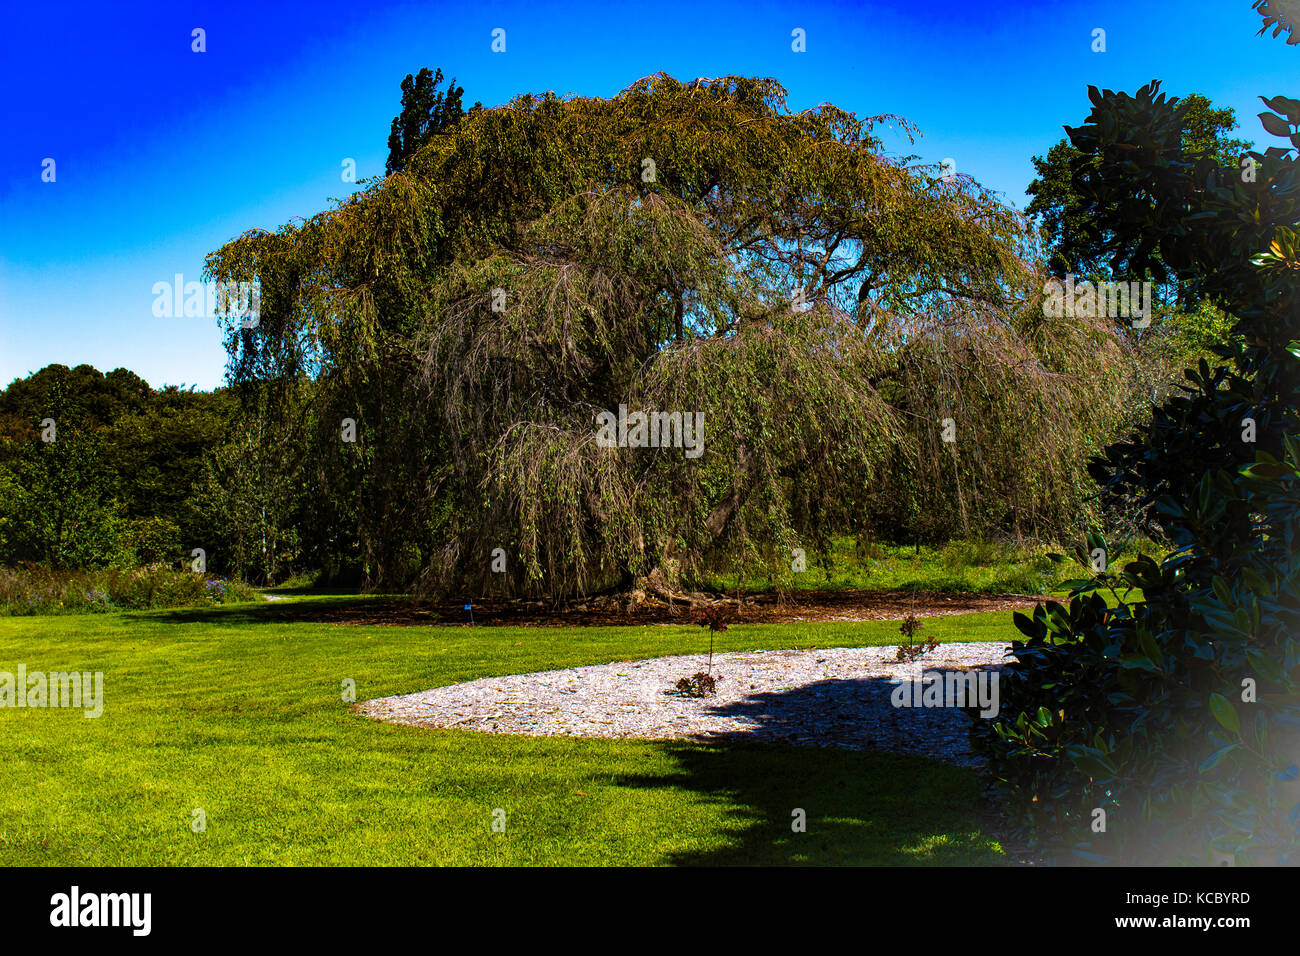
point(767, 608)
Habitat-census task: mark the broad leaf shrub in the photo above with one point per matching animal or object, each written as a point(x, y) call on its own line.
point(1172, 707)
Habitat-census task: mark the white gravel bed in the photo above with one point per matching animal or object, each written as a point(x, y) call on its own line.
point(832, 697)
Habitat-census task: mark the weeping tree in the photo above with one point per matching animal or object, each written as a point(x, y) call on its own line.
point(694, 250)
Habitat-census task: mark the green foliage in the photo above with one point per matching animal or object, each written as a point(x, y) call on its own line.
point(149, 541)
point(250, 500)
point(60, 509)
point(1179, 714)
point(80, 397)
point(1181, 339)
point(118, 477)
point(1062, 210)
point(1185, 327)
point(158, 452)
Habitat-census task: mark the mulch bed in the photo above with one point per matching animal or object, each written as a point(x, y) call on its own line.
point(825, 697)
point(767, 608)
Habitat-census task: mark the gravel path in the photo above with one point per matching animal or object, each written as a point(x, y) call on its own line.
point(834, 697)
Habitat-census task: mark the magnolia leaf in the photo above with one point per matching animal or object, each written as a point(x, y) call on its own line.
point(1225, 714)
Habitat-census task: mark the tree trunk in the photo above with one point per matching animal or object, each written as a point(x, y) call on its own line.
point(660, 583)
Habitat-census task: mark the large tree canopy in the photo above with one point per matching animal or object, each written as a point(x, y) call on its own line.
point(694, 248)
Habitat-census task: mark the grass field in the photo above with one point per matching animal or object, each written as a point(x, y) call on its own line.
point(238, 712)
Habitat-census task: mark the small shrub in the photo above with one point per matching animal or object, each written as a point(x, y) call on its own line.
point(699, 684)
point(910, 651)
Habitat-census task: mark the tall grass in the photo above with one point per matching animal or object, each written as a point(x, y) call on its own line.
point(35, 590)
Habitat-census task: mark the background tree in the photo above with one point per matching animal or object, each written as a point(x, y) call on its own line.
point(426, 111)
point(1058, 206)
point(61, 511)
point(135, 454)
point(60, 508)
point(1184, 326)
point(249, 504)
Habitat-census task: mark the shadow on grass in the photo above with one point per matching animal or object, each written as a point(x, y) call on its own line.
point(342, 608)
point(310, 590)
point(862, 807)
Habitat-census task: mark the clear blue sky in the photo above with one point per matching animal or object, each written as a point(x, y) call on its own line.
point(163, 154)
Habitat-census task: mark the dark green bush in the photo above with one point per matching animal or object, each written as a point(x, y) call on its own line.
point(1178, 714)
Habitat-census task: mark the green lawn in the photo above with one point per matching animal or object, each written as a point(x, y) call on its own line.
point(238, 712)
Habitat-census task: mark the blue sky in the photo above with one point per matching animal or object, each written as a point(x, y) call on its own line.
point(162, 154)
